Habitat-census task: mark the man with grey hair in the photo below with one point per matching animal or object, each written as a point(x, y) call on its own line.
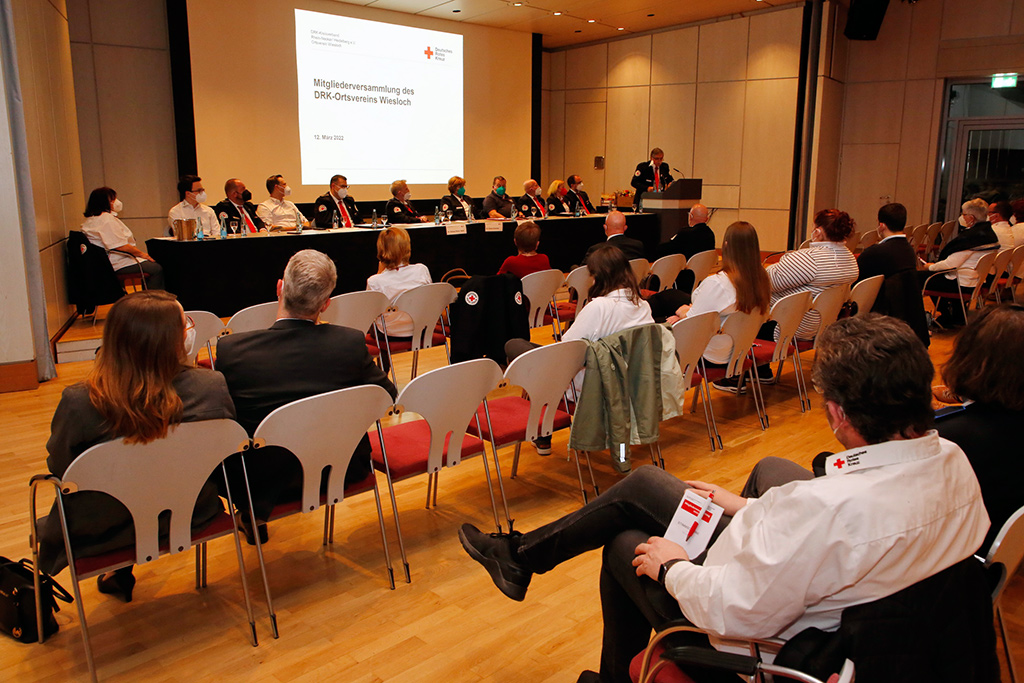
point(295, 358)
point(399, 208)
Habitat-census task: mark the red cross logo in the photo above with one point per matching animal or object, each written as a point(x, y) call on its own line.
point(428, 52)
point(839, 464)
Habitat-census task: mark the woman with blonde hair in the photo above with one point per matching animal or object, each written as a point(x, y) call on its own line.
point(396, 275)
point(138, 389)
point(556, 197)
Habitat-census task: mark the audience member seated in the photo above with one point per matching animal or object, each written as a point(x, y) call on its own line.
point(1018, 221)
point(531, 204)
point(615, 233)
point(103, 228)
point(193, 207)
point(527, 239)
point(336, 205)
point(741, 285)
point(293, 359)
point(894, 259)
point(276, 212)
point(396, 275)
point(498, 204)
point(139, 387)
point(556, 198)
point(399, 209)
point(690, 240)
point(237, 210)
point(826, 263)
point(959, 257)
point(999, 215)
point(795, 550)
point(456, 201)
point(986, 372)
point(576, 200)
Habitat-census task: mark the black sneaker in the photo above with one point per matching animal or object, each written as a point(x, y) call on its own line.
point(543, 445)
point(496, 552)
point(730, 384)
point(764, 374)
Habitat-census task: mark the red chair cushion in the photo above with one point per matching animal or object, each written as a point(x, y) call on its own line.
point(966, 296)
point(403, 345)
point(508, 418)
point(293, 506)
point(407, 446)
point(668, 674)
point(763, 351)
point(715, 374)
point(804, 345)
point(647, 293)
point(204, 363)
point(566, 312)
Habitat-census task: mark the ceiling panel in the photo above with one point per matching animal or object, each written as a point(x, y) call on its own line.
point(409, 6)
point(468, 9)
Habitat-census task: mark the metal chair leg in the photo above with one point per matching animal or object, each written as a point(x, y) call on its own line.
point(430, 484)
point(394, 504)
point(383, 533)
point(597, 491)
point(515, 460)
point(579, 474)
point(497, 464)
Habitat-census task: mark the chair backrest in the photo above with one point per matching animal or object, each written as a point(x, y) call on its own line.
point(545, 373)
point(946, 233)
point(1016, 267)
point(701, 265)
point(311, 429)
point(828, 303)
point(773, 257)
point(424, 304)
point(539, 289)
point(787, 314)
point(258, 317)
point(641, 267)
point(580, 280)
point(667, 268)
point(448, 398)
point(867, 238)
point(692, 335)
point(166, 474)
point(1007, 550)
point(865, 292)
point(357, 310)
point(742, 328)
point(1002, 262)
point(805, 244)
point(208, 327)
point(916, 236)
point(982, 269)
point(931, 234)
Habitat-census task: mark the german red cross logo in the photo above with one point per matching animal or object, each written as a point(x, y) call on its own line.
point(428, 52)
point(472, 298)
point(839, 464)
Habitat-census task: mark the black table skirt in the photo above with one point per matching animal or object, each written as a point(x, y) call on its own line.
point(225, 276)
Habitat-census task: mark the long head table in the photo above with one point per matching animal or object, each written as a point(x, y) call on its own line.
point(225, 276)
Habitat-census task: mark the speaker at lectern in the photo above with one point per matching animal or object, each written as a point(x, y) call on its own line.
point(673, 204)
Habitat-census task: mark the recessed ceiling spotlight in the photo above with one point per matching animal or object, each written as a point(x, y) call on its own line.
point(557, 14)
point(517, 4)
point(621, 28)
point(650, 15)
point(591, 21)
point(456, 11)
point(577, 31)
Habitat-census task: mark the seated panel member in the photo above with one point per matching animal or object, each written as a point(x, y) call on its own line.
point(556, 198)
point(531, 204)
point(276, 212)
point(576, 197)
point(193, 206)
point(399, 209)
point(498, 204)
point(238, 207)
point(460, 204)
point(651, 176)
point(336, 203)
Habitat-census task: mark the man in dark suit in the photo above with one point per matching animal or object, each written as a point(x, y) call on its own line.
point(893, 257)
point(614, 229)
point(398, 209)
point(576, 198)
point(692, 239)
point(293, 359)
point(651, 176)
point(237, 207)
point(531, 204)
point(336, 203)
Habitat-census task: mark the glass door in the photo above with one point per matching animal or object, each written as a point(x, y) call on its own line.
point(988, 162)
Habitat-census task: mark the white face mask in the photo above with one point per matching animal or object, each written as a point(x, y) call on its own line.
point(406, 197)
point(962, 221)
point(190, 340)
point(201, 197)
point(342, 192)
point(116, 206)
point(579, 187)
point(536, 192)
point(287, 191)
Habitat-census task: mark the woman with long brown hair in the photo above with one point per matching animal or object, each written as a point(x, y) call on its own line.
point(742, 285)
point(138, 389)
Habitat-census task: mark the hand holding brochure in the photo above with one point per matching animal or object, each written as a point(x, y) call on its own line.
point(681, 529)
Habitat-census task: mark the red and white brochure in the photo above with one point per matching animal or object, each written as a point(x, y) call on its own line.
point(682, 521)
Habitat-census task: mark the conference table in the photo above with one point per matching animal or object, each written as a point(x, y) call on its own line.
point(224, 276)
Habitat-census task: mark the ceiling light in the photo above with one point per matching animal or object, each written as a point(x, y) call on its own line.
point(456, 11)
point(650, 15)
point(557, 14)
point(621, 28)
point(517, 4)
point(591, 21)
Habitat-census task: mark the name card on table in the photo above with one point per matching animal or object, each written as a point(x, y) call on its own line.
point(455, 229)
point(494, 225)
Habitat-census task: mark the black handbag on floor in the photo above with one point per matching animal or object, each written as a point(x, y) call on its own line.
point(18, 601)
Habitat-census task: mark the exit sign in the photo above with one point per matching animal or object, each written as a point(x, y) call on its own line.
point(1004, 80)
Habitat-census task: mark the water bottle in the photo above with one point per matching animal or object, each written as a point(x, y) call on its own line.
point(577, 213)
point(334, 220)
point(437, 215)
point(223, 228)
point(199, 229)
point(373, 221)
point(298, 222)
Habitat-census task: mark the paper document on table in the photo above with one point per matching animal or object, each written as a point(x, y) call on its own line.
point(683, 521)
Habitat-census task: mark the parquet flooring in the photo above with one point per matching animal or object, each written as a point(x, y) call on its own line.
point(338, 620)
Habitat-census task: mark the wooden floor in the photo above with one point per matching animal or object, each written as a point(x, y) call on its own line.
point(338, 620)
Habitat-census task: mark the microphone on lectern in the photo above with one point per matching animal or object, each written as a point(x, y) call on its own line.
point(678, 171)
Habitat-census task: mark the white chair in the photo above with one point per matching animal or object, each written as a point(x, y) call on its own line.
point(539, 289)
point(867, 238)
point(667, 269)
point(865, 292)
point(150, 480)
point(701, 265)
point(787, 314)
point(357, 310)
point(310, 429)
point(967, 301)
point(424, 305)
point(999, 268)
point(208, 327)
point(692, 335)
point(258, 317)
point(828, 303)
point(641, 267)
point(1005, 555)
point(581, 281)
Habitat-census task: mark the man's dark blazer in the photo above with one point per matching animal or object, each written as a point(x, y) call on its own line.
point(573, 198)
point(528, 203)
point(643, 177)
point(900, 296)
point(689, 241)
point(450, 201)
point(397, 212)
point(225, 209)
point(326, 208)
point(886, 258)
point(630, 247)
point(293, 359)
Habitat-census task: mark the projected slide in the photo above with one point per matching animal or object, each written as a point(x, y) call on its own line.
point(377, 102)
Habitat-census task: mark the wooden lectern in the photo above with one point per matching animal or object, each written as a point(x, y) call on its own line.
point(673, 204)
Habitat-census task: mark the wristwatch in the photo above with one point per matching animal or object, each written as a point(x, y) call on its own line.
point(664, 569)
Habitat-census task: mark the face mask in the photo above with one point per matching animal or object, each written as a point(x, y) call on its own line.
point(500, 191)
point(962, 221)
point(536, 192)
point(287, 191)
point(579, 187)
point(201, 197)
point(461, 191)
point(562, 191)
point(190, 340)
point(407, 197)
point(116, 206)
point(246, 195)
point(342, 192)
